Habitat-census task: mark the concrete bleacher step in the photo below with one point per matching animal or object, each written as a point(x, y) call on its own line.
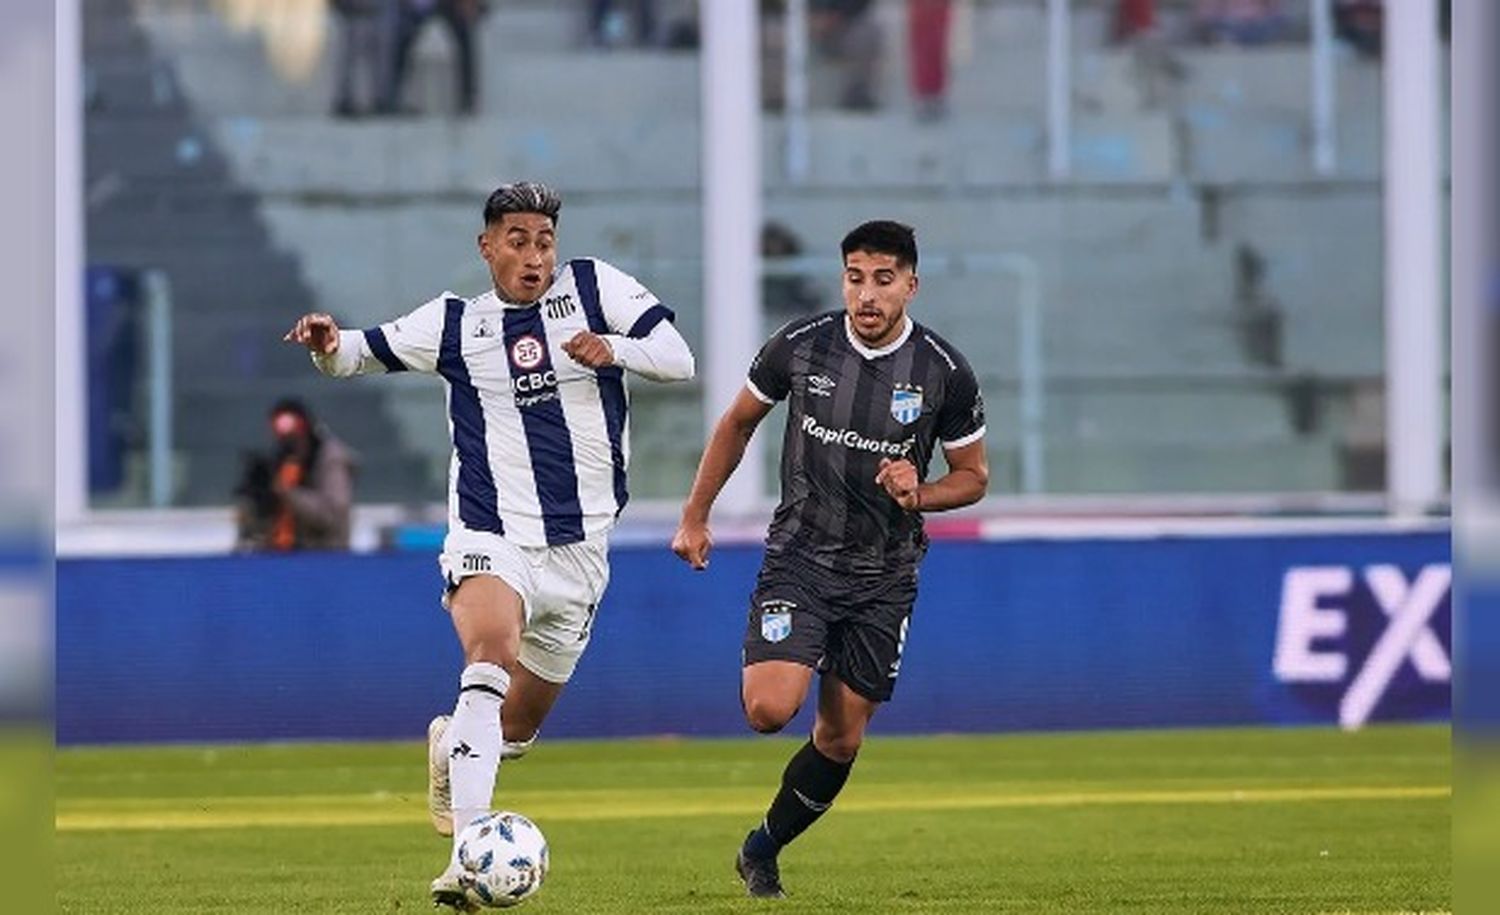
point(1192, 467)
point(1049, 226)
point(339, 401)
point(1247, 113)
point(164, 149)
point(1147, 409)
point(1274, 78)
point(208, 220)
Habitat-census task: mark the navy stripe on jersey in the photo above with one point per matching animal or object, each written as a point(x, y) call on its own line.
point(375, 338)
point(649, 319)
point(611, 378)
point(547, 438)
point(478, 503)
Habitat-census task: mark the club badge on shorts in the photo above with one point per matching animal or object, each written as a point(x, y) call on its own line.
point(906, 403)
point(776, 620)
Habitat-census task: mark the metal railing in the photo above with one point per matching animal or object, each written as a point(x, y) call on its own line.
point(159, 387)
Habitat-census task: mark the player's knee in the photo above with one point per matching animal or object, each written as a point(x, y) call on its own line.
point(496, 643)
point(839, 747)
point(766, 715)
point(499, 652)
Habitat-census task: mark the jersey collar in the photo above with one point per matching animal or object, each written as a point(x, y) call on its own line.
point(886, 350)
point(503, 302)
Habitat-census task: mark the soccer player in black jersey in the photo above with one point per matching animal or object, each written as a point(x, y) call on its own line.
point(870, 393)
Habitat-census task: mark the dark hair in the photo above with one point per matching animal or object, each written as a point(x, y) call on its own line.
point(292, 405)
point(884, 236)
point(522, 197)
point(297, 407)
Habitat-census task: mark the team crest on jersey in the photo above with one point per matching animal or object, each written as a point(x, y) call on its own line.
point(776, 619)
point(527, 352)
point(560, 306)
point(906, 403)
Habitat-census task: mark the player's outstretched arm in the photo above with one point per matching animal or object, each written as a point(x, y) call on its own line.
point(725, 450)
point(331, 353)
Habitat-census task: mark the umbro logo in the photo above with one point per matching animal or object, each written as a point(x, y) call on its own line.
point(463, 751)
point(820, 385)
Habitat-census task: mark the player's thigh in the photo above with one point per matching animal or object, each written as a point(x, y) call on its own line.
point(571, 581)
point(487, 615)
point(865, 648)
point(489, 591)
point(787, 620)
point(785, 636)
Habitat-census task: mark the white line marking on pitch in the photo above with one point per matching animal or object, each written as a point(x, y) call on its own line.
point(277, 812)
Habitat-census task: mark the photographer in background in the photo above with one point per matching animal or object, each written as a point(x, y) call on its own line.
point(299, 496)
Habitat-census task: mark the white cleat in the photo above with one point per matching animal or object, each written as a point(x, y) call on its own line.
point(452, 888)
point(439, 791)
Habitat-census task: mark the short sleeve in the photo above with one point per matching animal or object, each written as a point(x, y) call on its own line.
point(410, 342)
point(630, 309)
point(770, 377)
point(961, 416)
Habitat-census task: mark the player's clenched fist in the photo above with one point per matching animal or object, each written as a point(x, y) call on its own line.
point(318, 332)
point(589, 349)
point(692, 543)
point(900, 480)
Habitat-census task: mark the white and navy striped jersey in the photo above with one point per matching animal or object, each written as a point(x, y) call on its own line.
point(540, 442)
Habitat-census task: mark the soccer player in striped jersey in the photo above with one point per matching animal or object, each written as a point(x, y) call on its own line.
point(870, 393)
point(535, 377)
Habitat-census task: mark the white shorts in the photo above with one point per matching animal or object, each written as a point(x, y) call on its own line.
point(560, 588)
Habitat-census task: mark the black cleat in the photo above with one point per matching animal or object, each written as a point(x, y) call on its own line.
point(761, 875)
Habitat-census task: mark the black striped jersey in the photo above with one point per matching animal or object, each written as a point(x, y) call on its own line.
point(849, 406)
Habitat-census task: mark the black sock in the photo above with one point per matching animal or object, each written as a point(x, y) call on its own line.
point(808, 786)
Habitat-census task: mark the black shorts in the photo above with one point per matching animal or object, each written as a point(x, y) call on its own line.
point(853, 627)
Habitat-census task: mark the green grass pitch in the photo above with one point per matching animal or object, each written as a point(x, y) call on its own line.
point(1242, 820)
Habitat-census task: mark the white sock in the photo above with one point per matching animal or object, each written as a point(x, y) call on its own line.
point(472, 741)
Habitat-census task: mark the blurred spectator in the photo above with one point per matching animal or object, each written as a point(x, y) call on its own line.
point(1133, 18)
point(928, 22)
point(847, 31)
point(608, 25)
point(773, 54)
point(785, 296)
point(681, 33)
point(1360, 22)
point(1242, 22)
point(461, 17)
point(1261, 317)
point(298, 497)
point(365, 28)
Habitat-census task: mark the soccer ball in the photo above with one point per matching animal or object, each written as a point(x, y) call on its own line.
point(504, 856)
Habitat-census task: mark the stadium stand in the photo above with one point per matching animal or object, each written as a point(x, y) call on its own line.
point(1163, 373)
